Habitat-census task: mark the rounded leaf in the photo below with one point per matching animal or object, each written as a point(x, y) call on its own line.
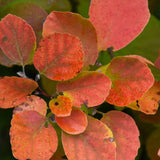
point(130, 77)
point(17, 39)
point(125, 132)
point(149, 102)
point(33, 103)
point(117, 23)
point(76, 123)
point(30, 138)
point(89, 88)
point(93, 144)
point(13, 90)
point(75, 24)
point(61, 106)
point(59, 56)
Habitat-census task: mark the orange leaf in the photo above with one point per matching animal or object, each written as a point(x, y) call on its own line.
point(59, 56)
point(157, 62)
point(30, 138)
point(61, 106)
point(90, 88)
point(75, 24)
point(4, 60)
point(125, 132)
point(149, 102)
point(33, 103)
point(17, 39)
point(95, 143)
point(76, 123)
point(117, 23)
point(131, 79)
point(13, 90)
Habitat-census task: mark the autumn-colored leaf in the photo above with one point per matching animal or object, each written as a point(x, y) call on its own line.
point(117, 23)
point(153, 145)
point(59, 56)
point(32, 13)
point(74, 124)
point(13, 90)
point(149, 102)
point(17, 39)
point(75, 24)
point(96, 143)
point(125, 132)
point(61, 106)
point(89, 88)
point(157, 62)
point(131, 78)
point(4, 60)
point(33, 103)
point(30, 138)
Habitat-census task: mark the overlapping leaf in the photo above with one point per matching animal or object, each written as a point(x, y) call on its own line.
point(13, 90)
point(75, 24)
point(17, 39)
point(74, 124)
point(149, 102)
point(32, 13)
point(117, 23)
point(59, 56)
point(131, 79)
point(125, 132)
point(95, 143)
point(33, 103)
point(89, 88)
point(30, 138)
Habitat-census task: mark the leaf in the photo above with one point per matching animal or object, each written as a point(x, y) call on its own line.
point(125, 132)
point(32, 13)
point(147, 43)
point(33, 103)
point(30, 139)
point(92, 144)
point(157, 62)
point(159, 152)
point(83, 7)
point(153, 144)
point(59, 56)
point(61, 106)
point(90, 88)
point(17, 39)
point(4, 60)
point(75, 24)
point(74, 124)
point(130, 80)
point(149, 102)
point(13, 90)
point(116, 22)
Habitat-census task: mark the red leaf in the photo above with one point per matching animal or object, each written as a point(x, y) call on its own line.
point(75, 24)
point(76, 123)
point(131, 79)
point(90, 88)
point(33, 103)
point(59, 56)
point(13, 90)
point(30, 138)
point(61, 106)
point(157, 62)
point(125, 132)
point(149, 102)
point(118, 22)
point(17, 39)
point(91, 144)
